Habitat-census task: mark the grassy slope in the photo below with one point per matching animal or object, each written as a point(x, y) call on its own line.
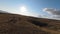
point(18, 24)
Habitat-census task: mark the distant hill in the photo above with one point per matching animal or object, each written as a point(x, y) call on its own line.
point(2, 12)
point(18, 24)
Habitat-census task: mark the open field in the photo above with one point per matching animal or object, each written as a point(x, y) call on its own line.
point(18, 24)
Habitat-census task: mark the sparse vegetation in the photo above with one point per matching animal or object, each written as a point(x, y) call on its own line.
point(18, 24)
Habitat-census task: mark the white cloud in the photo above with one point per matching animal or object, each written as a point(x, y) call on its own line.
point(48, 9)
point(54, 12)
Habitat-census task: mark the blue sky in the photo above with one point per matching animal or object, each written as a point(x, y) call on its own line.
point(33, 6)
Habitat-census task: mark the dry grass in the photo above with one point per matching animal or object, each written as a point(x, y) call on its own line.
point(18, 24)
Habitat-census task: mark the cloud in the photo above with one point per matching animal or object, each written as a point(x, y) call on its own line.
point(54, 12)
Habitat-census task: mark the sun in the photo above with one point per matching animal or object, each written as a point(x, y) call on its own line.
point(23, 9)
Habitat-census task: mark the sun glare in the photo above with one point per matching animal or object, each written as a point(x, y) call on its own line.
point(23, 9)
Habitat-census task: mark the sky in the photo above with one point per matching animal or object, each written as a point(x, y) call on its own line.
point(36, 8)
